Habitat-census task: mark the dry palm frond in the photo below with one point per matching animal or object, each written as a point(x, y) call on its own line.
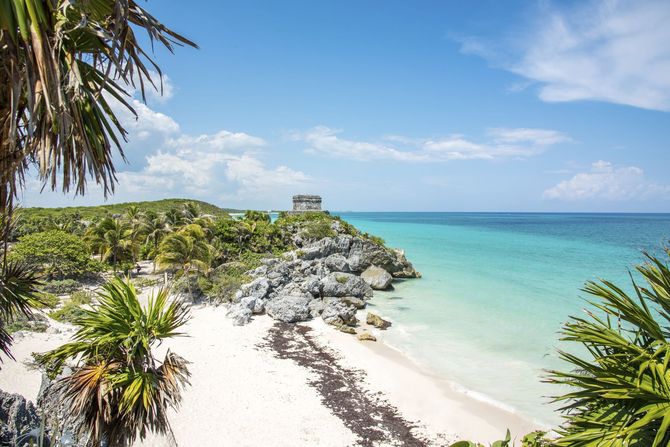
point(63, 63)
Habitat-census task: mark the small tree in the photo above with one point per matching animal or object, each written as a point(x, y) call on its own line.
point(118, 389)
point(187, 251)
point(56, 253)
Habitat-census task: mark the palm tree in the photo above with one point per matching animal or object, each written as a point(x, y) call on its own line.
point(118, 388)
point(119, 243)
point(620, 393)
point(154, 228)
point(62, 64)
point(186, 251)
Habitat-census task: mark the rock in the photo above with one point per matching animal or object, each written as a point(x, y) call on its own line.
point(254, 304)
point(316, 307)
point(346, 329)
point(338, 313)
point(356, 302)
point(312, 285)
point(377, 321)
point(289, 308)
point(377, 278)
point(345, 284)
point(364, 253)
point(239, 313)
point(336, 263)
point(258, 288)
point(18, 419)
point(320, 249)
point(366, 336)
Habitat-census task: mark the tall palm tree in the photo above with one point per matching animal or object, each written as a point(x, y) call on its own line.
point(154, 228)
point(63, 63)
point(119, 243)
point(186, 251)
point(118, 388)
point(620, 393)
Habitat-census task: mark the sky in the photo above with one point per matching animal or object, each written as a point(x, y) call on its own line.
point(404, 106)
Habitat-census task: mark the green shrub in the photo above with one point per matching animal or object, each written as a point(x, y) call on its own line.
point(61, 287)
point(68, 313)
point(36, 323)
point(57, 253)
point(81, 297)
point(341, 279)
point(47, 300)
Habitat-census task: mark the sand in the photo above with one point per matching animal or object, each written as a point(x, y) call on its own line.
point(245, 392)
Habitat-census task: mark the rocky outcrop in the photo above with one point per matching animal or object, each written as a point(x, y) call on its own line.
point(19, 422)
point(377, 321)
point(323, 278)
point(377, 278)
point(338, 313)
point(341, 284)
point(289, 308)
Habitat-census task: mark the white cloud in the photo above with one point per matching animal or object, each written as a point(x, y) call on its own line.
point(500, 143)
point(607, 182)
point(615, 51)
point(167, 163)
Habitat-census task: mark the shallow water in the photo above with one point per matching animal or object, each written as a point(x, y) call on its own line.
point(496, 288)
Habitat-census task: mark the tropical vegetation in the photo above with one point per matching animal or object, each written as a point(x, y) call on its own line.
point(620, 392)
point(118, 389)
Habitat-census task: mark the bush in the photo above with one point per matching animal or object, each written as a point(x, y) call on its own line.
point(58, 254)
point(47, 300)
point(69, 313)
point(81, 297)
point(61, 287)
point(36, 323)
point(226, 281)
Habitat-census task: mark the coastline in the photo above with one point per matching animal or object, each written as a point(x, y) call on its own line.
point(249, 391)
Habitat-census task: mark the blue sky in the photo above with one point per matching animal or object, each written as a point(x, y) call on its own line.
point(406, 105)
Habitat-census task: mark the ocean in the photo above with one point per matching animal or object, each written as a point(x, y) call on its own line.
point(496, 289)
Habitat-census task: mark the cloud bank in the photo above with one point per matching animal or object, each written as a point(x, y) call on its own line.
point(614, 51)
point(499, 143)
point(607, 182)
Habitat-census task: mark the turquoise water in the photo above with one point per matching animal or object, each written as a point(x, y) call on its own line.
point(496, 288)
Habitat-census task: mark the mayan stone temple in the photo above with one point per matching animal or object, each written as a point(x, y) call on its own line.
point(304, 202)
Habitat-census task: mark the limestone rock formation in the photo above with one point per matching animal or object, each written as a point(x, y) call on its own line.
point(377, 278)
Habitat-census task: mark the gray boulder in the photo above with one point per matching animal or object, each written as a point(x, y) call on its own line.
point(240, 313)
point(258, 288)
point(336, 263)
point(18, 419)
point(344, 284)
point(365, 253)
point(377, 278)
point(289, 308)
point(337, 313)
point(316, 307)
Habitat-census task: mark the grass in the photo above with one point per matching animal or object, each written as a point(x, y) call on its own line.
point(35, 324)
point(91, 212)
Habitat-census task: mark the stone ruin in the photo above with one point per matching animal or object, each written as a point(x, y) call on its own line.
point(305, 202)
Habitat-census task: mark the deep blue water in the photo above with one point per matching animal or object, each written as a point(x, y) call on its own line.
point(497, 287)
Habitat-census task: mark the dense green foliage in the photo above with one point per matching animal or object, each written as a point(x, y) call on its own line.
point(118, 388)
point(55, 253)
point(620, 393)
point(90, 213)
point(61, 287)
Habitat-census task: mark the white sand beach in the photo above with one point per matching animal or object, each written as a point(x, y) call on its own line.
point(242, 394)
